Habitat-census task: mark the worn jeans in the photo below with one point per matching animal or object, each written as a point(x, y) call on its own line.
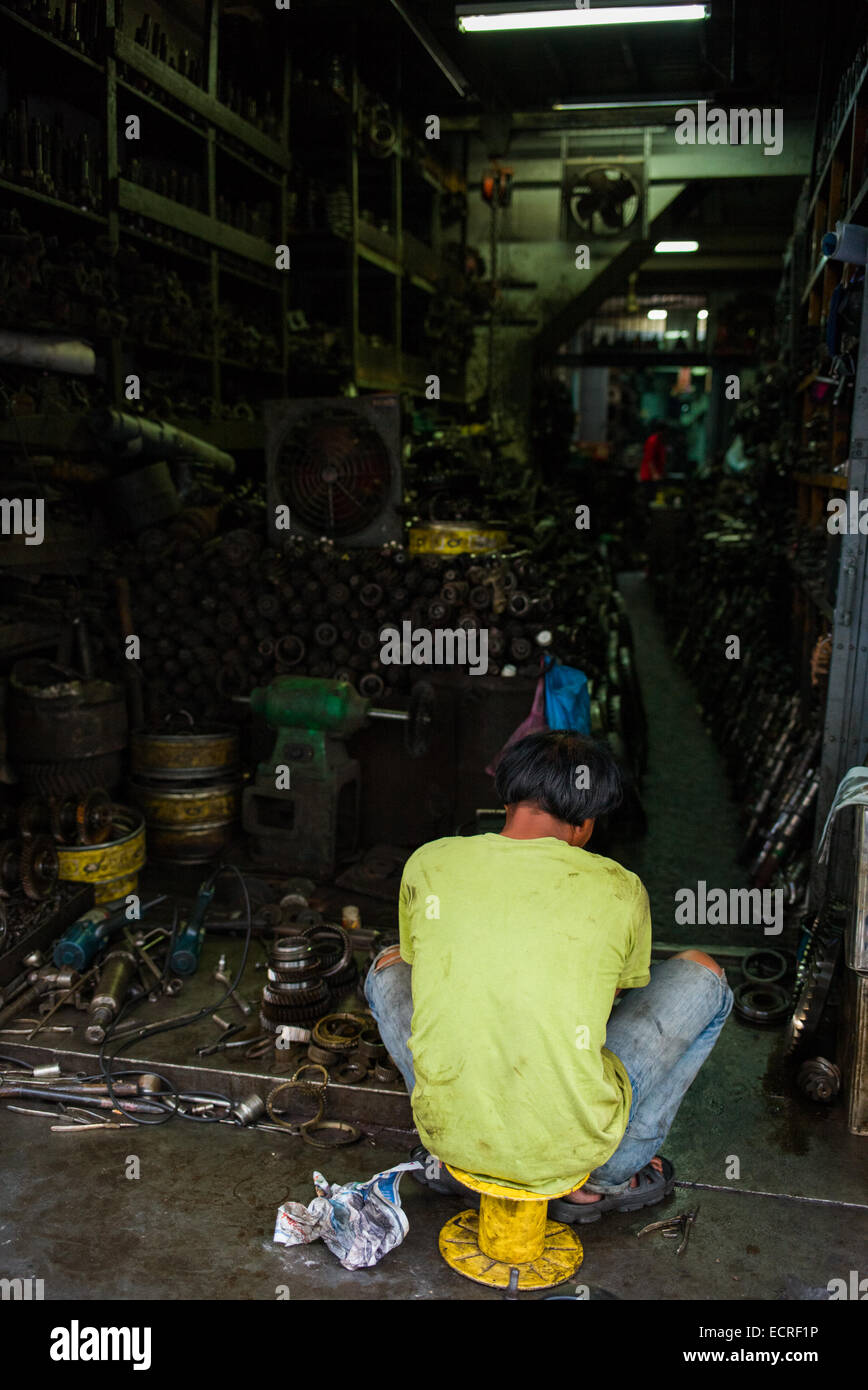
point(662, 1035)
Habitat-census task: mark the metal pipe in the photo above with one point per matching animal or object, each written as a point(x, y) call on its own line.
point(54, 354)
point(134, 436)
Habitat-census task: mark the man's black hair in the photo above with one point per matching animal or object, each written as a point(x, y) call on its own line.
point(547, 768)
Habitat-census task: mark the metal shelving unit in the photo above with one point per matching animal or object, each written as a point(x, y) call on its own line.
point(236, 157)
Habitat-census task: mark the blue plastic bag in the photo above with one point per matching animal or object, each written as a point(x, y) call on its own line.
point(568, 704)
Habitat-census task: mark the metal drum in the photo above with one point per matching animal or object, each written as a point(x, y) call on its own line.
point(187, 825)
point(112, 868)
point(186, 781)
point(195, 754)
point(66, 735)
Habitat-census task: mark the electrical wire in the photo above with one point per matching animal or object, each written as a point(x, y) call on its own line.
point(17, 1062)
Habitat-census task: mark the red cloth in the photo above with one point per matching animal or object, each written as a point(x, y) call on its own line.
point(653, 460)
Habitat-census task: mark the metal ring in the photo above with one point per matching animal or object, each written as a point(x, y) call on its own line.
point(320, 1056)
point(325, 1035)
point(316, 1093)
point(763, 1003)
point(370, 1051)
point(311, 1066)
point(385, 1073)
point(752, 968)
point(350, 1073)
point(334, 1127)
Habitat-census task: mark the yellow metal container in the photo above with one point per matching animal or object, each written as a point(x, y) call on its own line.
point(112, 867)
point(206, 751)
point(455, 538)
point(188, 824)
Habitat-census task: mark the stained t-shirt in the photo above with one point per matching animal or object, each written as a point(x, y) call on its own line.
point(517, 948)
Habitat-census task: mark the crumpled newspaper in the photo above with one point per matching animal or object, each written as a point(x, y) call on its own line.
point(360, 1222)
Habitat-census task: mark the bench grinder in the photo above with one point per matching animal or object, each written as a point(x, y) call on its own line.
point(302, 811)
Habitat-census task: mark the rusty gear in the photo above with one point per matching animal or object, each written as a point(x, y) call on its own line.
point(814, 994)
point(93, 818)
point(39, 867)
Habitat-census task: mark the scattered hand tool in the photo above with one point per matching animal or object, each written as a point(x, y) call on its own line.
point(673, 1227)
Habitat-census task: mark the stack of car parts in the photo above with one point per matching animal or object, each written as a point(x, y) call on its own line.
point(106, 849)
point(349, 1046)
point(295, 991)
point(185, 779)
point(218, 621)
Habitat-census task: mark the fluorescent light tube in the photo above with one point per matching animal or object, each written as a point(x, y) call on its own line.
point(657, 314)
point(498, 18)
point(665, 247)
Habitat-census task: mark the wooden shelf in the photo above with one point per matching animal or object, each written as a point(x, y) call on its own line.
point(238, 158)
point(828, 480)
point(56, 204)
point(43, 36)
point(164, 110)
point(138, 58)
point(158, 245)
point(133, 198)
point(821, 176)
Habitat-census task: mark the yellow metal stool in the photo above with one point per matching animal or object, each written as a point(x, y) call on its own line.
point(510, 1232)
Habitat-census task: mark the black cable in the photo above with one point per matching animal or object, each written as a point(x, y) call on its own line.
point(19, 1062)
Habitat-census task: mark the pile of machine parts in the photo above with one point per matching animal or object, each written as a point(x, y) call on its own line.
point(311, 968)
point(802, 991)
point(47, 283)
point(218, 620)
point(82, 838)
point(729, 582)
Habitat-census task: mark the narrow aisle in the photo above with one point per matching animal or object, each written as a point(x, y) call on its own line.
point(694, 828)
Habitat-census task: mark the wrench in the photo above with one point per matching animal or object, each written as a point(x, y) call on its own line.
point(221, 976)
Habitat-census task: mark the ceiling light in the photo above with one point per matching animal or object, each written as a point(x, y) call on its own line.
point(676, 246)
point(657, 314)
point(702, 314)
point(481, 18)
point(619, 105)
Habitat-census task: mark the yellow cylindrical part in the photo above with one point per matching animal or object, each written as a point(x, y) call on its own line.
point(512, 1232)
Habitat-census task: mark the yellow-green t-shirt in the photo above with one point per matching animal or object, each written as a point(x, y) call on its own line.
point(517, 948)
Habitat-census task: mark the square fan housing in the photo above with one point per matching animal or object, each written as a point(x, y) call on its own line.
point(594, 174)
point(336, 463)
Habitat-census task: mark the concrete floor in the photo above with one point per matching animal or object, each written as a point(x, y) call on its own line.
point(197, 1223)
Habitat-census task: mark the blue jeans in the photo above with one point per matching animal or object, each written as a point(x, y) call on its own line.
point(662, 1035)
